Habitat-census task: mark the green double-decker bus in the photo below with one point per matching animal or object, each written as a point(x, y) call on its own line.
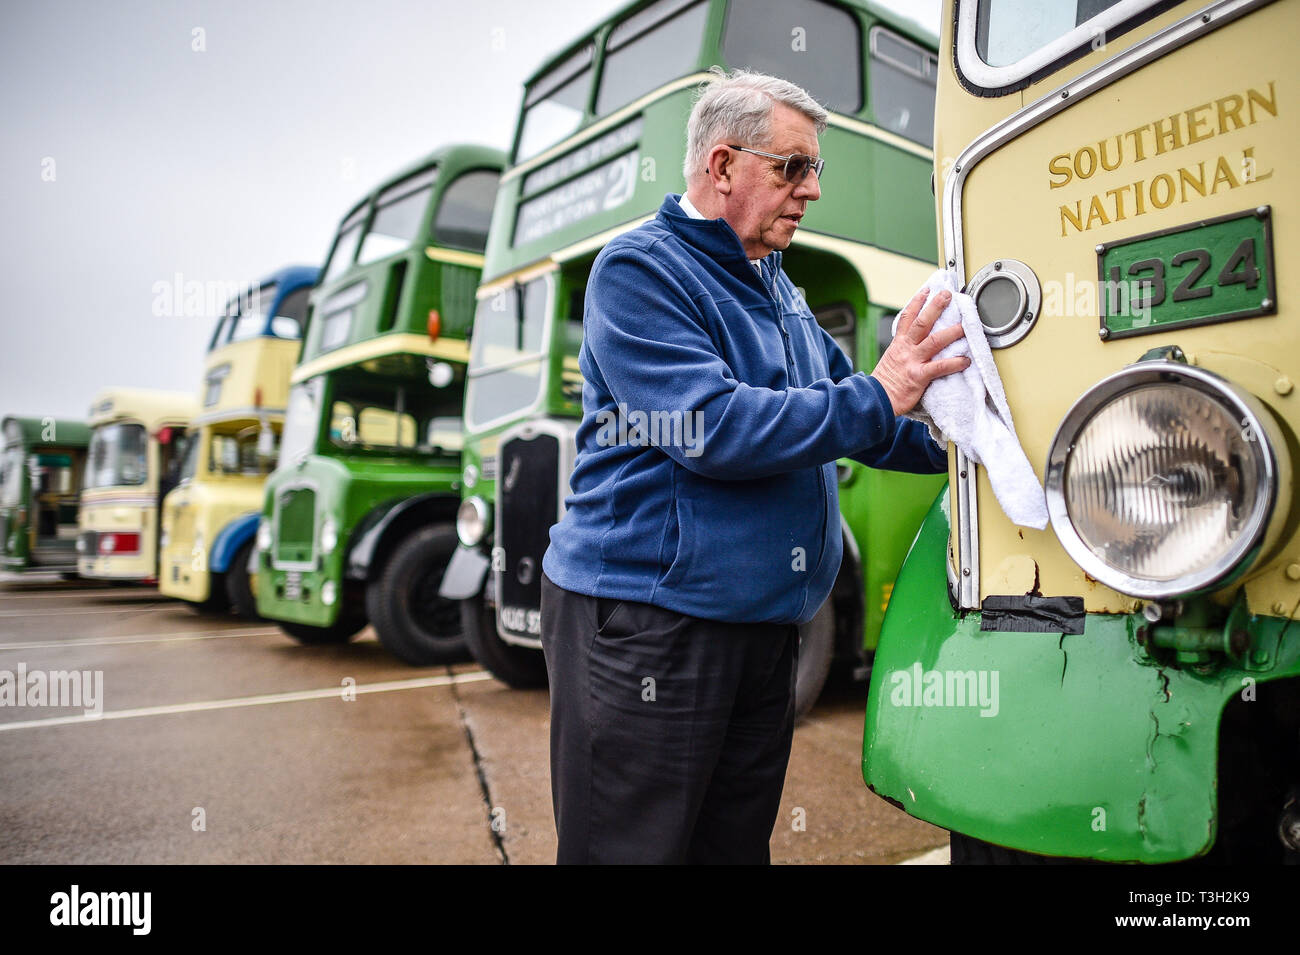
point(599, 141)
point(358, 518)
point(41, 465)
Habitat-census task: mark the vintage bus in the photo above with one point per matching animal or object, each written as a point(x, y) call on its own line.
point(41, 464)
point(600, 140)
point(1121, 685)
point(137, 443)
point(358, 519)
point(209, 522)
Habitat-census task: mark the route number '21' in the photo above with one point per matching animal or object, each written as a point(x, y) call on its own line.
point(1240, 269)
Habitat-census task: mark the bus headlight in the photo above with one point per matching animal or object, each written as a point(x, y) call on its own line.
point(472, 521)
point(328, 593)
point(263, 534)
point(1163, 479)
point(329, 535)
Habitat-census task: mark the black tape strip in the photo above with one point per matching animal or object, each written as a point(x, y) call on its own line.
point(1026, 614)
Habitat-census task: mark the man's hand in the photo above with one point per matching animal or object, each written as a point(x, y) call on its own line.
point(905, 369)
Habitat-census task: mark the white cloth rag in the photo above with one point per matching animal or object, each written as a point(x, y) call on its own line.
point(970, 410)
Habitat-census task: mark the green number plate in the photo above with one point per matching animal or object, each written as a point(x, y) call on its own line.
point(1216, 270)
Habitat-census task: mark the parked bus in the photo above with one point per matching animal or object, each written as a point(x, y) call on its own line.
point(358, 520)
point(600, 140)
point(41, 464)
point(1121, 685)
point(209, 524)
point(137, 443)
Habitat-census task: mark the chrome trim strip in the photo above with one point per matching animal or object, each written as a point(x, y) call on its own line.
point(1205, 20)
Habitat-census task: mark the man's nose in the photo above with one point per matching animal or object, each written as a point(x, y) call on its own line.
point(810, 188)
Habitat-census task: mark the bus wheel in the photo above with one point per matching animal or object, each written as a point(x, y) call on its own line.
point(240, 585)
point(341, 631)
point(518, 667)
point(816, 652)
point(967, 850)
point(216, 602)
point(413, 622)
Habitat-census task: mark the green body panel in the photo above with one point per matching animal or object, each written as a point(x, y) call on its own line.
point(883, 510)
point(1090, 748)
point(62, 443)
point(347, 488)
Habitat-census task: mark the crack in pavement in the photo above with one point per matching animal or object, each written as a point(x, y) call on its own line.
point(482, 777)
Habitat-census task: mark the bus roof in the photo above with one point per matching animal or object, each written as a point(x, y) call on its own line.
point(67, 433)
point(151, 407)
point(453, 159)
point(913, 29)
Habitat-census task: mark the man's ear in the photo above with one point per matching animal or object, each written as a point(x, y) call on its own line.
point(720, 169)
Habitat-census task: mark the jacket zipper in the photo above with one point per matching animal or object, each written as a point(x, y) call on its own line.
point(821, 473)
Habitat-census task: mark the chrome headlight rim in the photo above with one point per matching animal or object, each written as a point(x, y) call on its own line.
point(473, 514)
point(329, 535)
point(1241, 555)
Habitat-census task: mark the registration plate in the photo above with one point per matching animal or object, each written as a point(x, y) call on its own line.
point(1214, 270)
point(293, 585)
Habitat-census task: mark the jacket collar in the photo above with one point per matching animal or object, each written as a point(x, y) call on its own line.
point(717, 239)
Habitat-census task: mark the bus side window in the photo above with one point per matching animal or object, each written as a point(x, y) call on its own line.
point(902, 77)
point(291, 316)
point(884, 332)
point(466, 210)
point(841, 323)
point(832, 75)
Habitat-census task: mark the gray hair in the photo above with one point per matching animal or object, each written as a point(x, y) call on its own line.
point(738, 107)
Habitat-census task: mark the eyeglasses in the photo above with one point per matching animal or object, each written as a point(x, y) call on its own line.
point(797, 165)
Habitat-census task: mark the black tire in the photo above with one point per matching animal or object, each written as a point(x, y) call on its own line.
point(967, 850)
point(413, 622)
point(240, 592)
point(216, 602)
point(520, 668)
point(341, 631)
point(816, 653)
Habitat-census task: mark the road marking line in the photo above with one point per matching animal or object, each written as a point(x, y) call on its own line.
point(68, 613)
point(102, 592)
point(939, 856)
point(295, 696)
point(177, 637)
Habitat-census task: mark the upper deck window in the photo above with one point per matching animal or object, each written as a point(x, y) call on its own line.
point(399, 213)
point(902, 86)
point(649, 48)
point(248, 318)
point(291, 315)
point(1003, 45)
point(466, 210)
point(555, 104)
point(345, 246)
point(812, 44)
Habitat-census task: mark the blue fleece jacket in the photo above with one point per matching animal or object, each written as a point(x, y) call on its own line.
point(714, 408)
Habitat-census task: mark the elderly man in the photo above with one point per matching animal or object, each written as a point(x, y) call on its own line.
point(688, 556)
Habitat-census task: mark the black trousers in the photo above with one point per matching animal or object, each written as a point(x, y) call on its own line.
point(670, 734)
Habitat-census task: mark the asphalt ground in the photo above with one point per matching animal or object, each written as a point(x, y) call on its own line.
point(220, 741)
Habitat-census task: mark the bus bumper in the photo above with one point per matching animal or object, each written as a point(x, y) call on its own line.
point(1063, 745)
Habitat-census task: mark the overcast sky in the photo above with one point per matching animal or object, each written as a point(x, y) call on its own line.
point(218, 140)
